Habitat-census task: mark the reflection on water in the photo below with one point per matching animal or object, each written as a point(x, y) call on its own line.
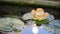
point(28, 30)
point(6, 9)
point(53, 27)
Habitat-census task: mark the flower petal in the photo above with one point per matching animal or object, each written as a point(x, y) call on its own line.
point(33, 12)
point(40, 10)
point(45, 15)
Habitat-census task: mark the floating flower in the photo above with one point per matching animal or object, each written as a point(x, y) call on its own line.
point(38, 17)
point(39, 14)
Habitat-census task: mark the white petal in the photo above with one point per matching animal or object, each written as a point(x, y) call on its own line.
point(27, 16)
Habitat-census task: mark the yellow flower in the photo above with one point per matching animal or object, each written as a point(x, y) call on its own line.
point(39, 14)
point(39, 11)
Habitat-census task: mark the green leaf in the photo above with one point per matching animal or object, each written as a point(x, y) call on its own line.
point(41, 21)
point(14, 29)
point(45, 21)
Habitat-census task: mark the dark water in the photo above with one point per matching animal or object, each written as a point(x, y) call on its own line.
point(5, 10)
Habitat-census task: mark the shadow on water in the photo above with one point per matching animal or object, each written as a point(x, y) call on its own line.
point(6, 8)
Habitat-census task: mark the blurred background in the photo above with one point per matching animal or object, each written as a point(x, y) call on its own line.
point(24, 6)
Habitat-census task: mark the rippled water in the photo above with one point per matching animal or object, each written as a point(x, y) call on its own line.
point(53, 27)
